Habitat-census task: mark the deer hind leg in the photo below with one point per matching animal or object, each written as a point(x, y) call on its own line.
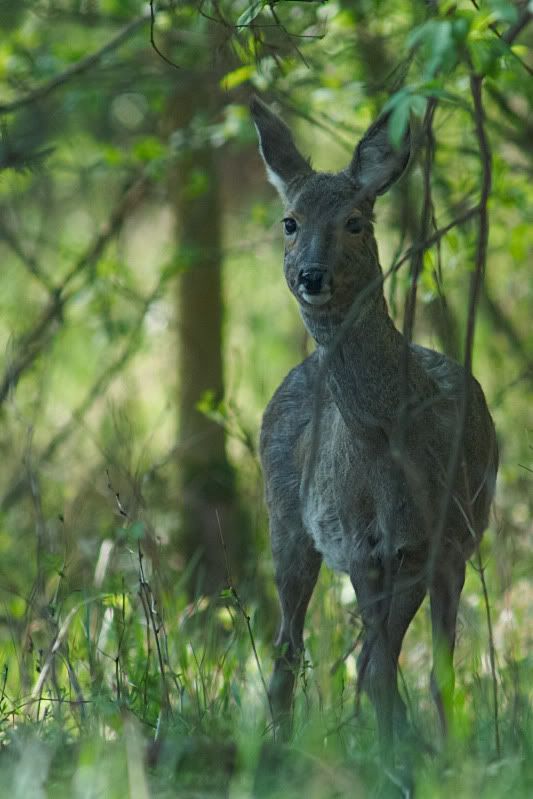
point(386, 615)
point(445, 592)
point(297, 565)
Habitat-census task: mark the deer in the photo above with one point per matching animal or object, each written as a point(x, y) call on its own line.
point(355, 444)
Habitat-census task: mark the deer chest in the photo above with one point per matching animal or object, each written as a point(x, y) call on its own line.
point(337, 507)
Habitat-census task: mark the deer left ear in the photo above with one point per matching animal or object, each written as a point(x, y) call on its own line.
point(284, 163)
point(376, 164)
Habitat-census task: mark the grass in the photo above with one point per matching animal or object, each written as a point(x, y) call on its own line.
point(130, 691)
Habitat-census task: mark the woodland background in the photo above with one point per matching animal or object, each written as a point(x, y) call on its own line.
point(144, 324)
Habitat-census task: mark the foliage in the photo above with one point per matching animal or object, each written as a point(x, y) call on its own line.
point(102, 655)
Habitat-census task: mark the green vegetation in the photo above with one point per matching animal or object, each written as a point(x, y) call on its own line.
point(132, 661)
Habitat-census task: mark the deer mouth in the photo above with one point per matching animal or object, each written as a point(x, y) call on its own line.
point(320, 298)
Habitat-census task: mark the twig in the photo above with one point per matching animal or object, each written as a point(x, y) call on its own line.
point(511, 33)
point(476, 283)
point(492, 652)
point(29, 261)
point(95, 393)
point(60, 637)
point(76, 69)
point(504, 324)
point(418, 251)
point(155, 47)
point(31, 344)
point(234, 593)
point(147, 599)
point(345, 655)
point(417, 261)
point(357, 307)
point(436, 236)
point(517, 27)
point(40, 524)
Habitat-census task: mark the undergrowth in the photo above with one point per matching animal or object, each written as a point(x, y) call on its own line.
point(130, 690)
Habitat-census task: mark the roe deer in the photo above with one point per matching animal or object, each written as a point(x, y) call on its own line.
point(358, 476)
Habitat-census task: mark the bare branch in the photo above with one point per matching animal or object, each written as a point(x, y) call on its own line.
point(31, 344)
point(29, 261)
point(355, 311)
point(427, 206)
point(476, 283)
point(155, 47)
point(516, 28)
point(242, 610)
point(78, 68)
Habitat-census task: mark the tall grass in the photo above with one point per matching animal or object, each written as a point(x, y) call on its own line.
point(129, 690)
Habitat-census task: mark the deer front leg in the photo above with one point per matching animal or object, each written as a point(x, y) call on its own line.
point(408, 592)
point(386, 613)
point(445, 592)
point(376, 671)
point(297, 564)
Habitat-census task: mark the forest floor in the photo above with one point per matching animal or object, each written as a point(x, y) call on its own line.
point(143, 699)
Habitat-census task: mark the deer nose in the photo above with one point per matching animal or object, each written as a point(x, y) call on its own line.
point(311, 280)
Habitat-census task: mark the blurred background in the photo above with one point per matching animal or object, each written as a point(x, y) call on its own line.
point(145, 323)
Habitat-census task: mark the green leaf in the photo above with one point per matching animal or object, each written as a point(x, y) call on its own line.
point(237, 76)
point(148, 148)
point(438, 40)
point(250, 14)
point(419, 34)
point(399, 119)
point(402, 104)
point(503, 11)
point(434, 88)
point(441, 47)
point(418, 105)
point(136, 531)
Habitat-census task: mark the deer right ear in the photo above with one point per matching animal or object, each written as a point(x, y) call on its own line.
point(376, 164)
point(282, 159)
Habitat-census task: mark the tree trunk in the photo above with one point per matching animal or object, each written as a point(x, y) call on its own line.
point(206, 480)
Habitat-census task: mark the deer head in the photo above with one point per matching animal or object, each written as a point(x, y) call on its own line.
point(330, 249)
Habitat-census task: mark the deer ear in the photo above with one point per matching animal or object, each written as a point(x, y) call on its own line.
point(282, 159)
point(376, 163)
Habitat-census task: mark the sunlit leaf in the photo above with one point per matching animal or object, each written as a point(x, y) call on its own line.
point(238, 76)
point(250, 13)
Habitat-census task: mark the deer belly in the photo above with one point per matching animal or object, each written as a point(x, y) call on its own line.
point(323, 524)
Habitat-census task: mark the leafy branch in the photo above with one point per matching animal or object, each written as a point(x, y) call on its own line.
point(81, 66)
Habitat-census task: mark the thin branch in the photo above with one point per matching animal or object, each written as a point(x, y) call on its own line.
point(148, 602)
point(517, 27)
point(78, 68)
point(238, 601)
point(29, 261)
point(505, 325)
point(436, 236)
point(155, 47)
point(356, 311)
point(476, 283)
point(427, 207)
point(511, 33)
point(492, 651)
point(60, 637)
point(417, 262)
point(32, 343)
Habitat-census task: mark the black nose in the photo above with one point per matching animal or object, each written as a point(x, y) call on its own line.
point(311, 280)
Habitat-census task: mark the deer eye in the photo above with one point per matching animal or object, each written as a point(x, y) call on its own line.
point(354, 224)
point(290, 225)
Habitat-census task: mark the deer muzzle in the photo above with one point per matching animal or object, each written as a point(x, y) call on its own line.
point(313, 286)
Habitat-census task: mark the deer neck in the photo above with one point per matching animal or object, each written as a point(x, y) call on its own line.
point(362, 362)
